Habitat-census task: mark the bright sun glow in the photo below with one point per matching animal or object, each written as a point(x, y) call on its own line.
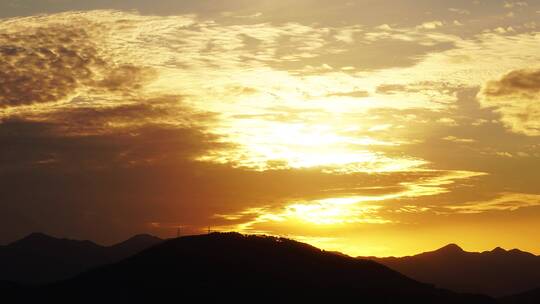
point(334, 211)
point(264, 145)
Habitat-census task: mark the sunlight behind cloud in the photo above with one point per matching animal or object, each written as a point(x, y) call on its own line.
point(331, 213)
point(278, 145)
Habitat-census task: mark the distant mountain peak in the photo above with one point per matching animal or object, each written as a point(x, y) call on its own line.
point(450, 248)
point(499, 250)
point(43, 243)
point(39, 258)
point(496, 272)
point(517, 252)
point(34, 237)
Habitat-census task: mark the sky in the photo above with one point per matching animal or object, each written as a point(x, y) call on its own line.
point(367, 127)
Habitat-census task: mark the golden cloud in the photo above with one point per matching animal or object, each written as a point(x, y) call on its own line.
point(516, 96)
point(54, 62)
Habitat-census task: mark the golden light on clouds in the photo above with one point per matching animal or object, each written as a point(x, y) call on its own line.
point(516, 96)
point(328, 211)
point(264, 120)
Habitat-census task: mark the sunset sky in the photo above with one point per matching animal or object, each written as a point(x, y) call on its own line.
point(371, 127)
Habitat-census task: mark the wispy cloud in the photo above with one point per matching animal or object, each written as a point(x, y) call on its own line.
point(458, 140)
point(505, 202)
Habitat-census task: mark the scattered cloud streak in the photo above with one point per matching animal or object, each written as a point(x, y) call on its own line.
point(505, 202)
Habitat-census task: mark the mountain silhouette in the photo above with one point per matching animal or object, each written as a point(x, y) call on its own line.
point(450, 249)
point(230, 267)
point(496, 273)
point(39, 258)
point(528, 297)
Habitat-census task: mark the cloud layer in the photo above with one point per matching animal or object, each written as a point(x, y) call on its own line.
point(254, 116)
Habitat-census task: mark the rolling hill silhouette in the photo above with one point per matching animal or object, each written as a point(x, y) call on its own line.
point(528, 297)
point(39, 258)
point(230, 267)
point(496, 273)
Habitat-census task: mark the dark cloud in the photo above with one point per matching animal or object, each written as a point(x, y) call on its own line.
point(520, 82)
point(93, 137)
point(515, 97)
point(44, 65)
point(50, 63)
point(99, 119)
